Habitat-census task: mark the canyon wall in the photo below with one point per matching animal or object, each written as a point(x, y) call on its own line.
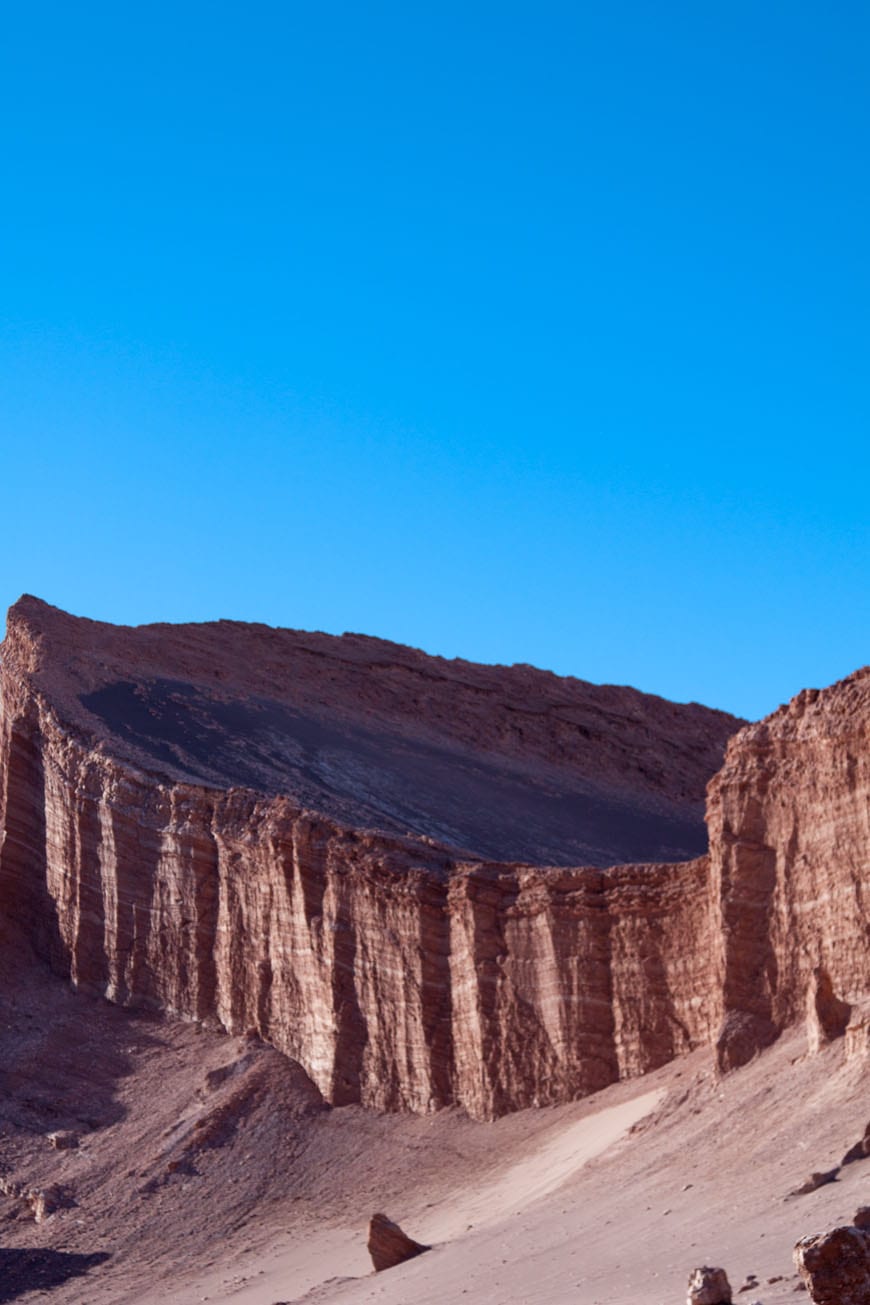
point(394, 974)
point(789, 823)
point(403, 974)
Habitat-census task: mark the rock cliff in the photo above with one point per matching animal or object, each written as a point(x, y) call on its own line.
point(789, 823)
point(329, 841)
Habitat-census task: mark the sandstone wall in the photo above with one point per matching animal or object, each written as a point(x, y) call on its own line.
point(789, 823)
point(396, 976)
point(405, 979)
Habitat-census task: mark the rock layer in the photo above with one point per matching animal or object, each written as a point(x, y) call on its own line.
point(789, 822)
point(397, 967)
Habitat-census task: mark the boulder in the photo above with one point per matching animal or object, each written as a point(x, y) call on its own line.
point(45, 1201)
point(708, 1287)
point(63, 1140)
point(835, 1266)
point(388, 1245)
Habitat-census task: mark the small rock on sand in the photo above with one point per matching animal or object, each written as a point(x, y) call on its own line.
point(63, 1140)
point(709, 1286)
point(388, 1245)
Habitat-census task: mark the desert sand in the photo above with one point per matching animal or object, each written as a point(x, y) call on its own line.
point(208, 1168)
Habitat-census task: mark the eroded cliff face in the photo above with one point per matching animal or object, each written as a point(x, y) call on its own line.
point(396, 975)
point(789, 822)
point(397, 970)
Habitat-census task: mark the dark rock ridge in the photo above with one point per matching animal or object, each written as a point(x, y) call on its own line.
point(328, 841)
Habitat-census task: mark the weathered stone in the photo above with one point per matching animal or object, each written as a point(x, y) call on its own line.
point(708, 1286)
point(827, 1016)
point(388, 1245)
point(819, 1178)
point(43, 1202)
point(835, 1266)
point(231, 802)
point(63, 1140)
point(861, 1217)
point(140, 775)
point(787, 821)
point(857, 1036)
point(741, 1036)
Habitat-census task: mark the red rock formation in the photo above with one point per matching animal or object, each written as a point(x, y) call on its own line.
point(835, 1266)
point(388, 1245)
point(789, 823)
point(497, 762)
point(283, 832)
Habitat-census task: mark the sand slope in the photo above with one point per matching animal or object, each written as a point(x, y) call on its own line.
point(210, 1169)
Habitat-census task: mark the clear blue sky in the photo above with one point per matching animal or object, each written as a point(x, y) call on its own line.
point(521, 332)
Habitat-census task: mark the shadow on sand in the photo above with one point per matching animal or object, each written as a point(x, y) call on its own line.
point(25, 1269)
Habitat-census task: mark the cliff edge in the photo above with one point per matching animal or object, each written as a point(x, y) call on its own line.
point(402, 871)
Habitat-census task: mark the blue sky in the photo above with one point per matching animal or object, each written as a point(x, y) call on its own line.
point(515, 332)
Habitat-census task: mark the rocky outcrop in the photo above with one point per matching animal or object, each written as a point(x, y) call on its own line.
point(395, 974)
point(388, 1245)
point(827, 1016)
point(495, 762)
point(44, 1202)
point(283, 833)
point(835, 1266)
point(63, 1139)
point(860, 1151)
point(819, 1178)
point(398, 971)
point(708, 1287)
point(789, 822)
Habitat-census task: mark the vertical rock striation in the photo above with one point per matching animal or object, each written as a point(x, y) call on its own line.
point(400, 968)
point(789, 823)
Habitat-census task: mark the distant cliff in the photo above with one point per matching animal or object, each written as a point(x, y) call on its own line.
point(328, 840)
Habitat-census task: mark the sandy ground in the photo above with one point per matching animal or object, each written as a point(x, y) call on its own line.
point(209, 1169)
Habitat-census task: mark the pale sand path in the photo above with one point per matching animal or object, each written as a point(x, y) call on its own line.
point(323, 1261)
point(553, 1161)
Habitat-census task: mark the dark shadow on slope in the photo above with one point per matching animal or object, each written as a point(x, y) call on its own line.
point(24, 1270)
point(491, 809)
point(62, 1052)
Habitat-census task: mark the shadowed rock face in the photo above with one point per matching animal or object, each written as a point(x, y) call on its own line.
point(505, 763)
point(389, 779)
point(323, 840)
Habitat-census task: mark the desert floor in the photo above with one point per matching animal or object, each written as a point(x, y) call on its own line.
point(209, 1170)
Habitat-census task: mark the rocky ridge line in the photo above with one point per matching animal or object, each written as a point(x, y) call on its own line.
point(398, 971)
